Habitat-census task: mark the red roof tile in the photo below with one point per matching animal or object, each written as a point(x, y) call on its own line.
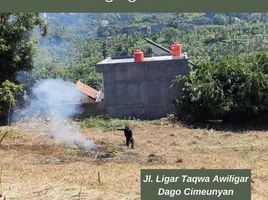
point(89, 91)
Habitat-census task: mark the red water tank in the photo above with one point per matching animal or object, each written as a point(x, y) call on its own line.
point(176, 49)
point(138, 55)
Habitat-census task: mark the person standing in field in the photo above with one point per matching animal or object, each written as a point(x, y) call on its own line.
point(128, 135)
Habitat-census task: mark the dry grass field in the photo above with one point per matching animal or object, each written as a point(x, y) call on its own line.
point(35, 167)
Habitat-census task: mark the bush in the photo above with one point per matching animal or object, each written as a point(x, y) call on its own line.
point(8, 93)
point(232, 88)
point(202, 20)
point(104, 123)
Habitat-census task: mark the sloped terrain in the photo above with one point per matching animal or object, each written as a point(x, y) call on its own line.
point(34, 166)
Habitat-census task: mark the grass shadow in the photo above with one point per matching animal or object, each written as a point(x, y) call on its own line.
point(238, 127)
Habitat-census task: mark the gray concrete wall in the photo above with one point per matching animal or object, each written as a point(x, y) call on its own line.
point(141, 89)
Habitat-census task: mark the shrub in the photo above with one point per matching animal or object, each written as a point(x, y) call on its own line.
point(104, 123)
point(230, 88)
point(8, 93)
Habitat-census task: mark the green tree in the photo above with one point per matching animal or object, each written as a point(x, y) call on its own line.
point(232, 88)
point(16, 51)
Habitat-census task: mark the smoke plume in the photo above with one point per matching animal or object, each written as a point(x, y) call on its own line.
point(57, 100)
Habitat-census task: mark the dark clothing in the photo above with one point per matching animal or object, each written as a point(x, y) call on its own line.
point(132, 143)
point(128, 135)
point(128, 141)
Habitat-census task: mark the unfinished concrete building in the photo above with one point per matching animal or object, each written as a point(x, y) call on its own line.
point(137, 87)
point(141, 89)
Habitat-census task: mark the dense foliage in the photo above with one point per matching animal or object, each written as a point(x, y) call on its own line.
point(224, 83)
point(75, 43)
point(16, 46)
point(16, 53)
point(228, 89)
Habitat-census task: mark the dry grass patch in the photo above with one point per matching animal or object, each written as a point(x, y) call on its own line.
point(36, 167)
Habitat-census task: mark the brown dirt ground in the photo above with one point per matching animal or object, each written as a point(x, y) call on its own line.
point(37, 168)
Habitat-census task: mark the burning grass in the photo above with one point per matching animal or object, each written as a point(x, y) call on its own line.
point(37, 167)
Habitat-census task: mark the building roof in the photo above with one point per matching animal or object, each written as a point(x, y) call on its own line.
point(146, 59)
point(89, 91)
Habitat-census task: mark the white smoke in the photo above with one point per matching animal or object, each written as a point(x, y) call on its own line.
point(57, 100)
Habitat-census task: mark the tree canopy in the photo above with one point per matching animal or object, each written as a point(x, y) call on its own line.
point(16, 51)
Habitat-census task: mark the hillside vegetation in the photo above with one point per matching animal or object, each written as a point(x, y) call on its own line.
point(228, 49)
point(230, 89)
point(70, 46)
point(72, 52)
point(43, 157)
